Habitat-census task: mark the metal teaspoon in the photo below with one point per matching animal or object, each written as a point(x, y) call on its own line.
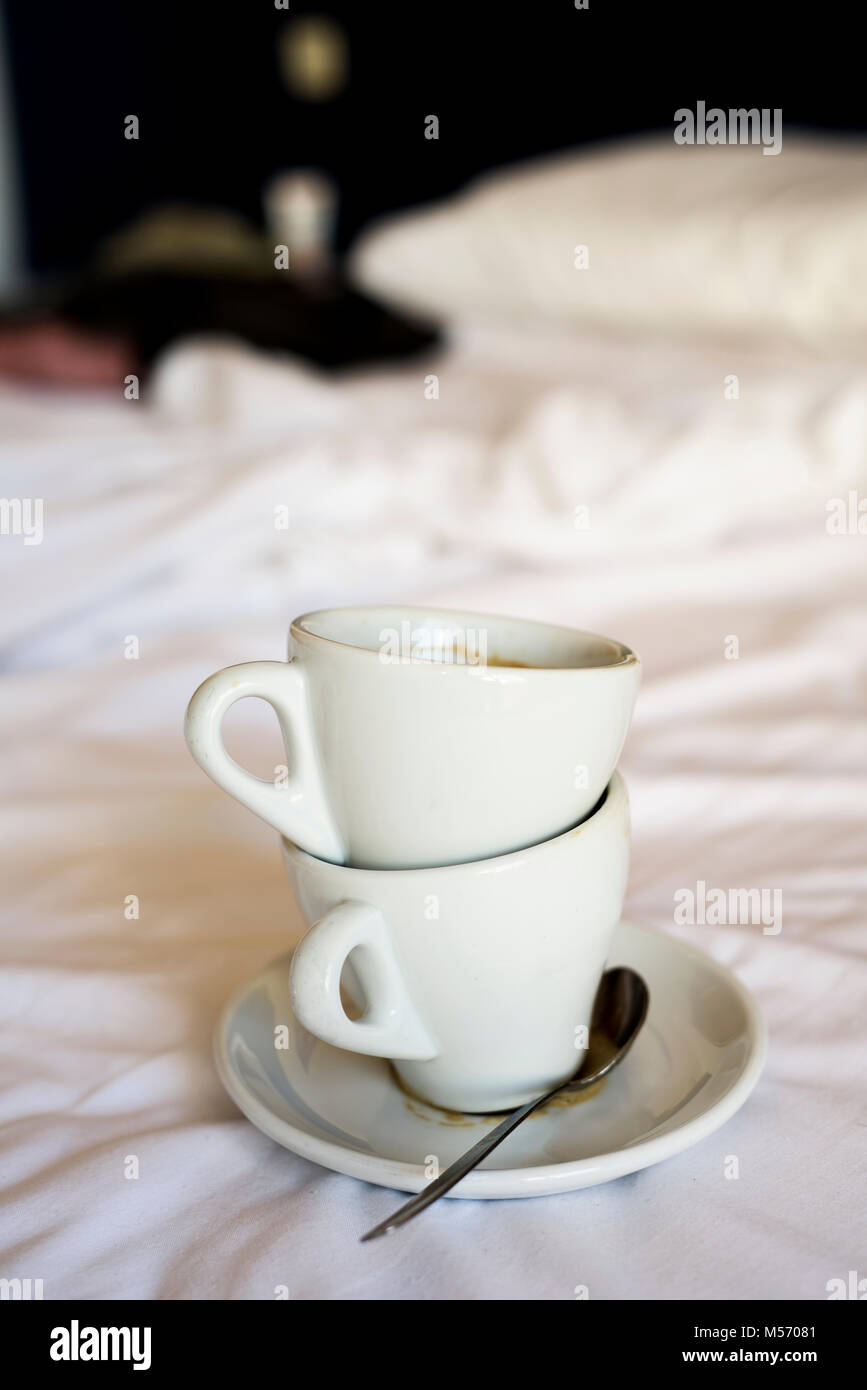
point(619, 1011)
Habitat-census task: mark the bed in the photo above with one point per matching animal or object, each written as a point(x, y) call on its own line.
point(602, 475)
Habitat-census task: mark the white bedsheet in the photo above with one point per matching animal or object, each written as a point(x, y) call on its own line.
point(707, 520)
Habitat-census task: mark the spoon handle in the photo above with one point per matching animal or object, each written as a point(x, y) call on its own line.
point(459, 1168)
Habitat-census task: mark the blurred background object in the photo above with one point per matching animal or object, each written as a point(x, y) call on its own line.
point(155, 208)
point(301, 211)
point(146, 167)
point(12, 271)
point(313, 54)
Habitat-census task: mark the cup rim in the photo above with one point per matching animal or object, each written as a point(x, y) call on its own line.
point(300, 629)
point(613, 799)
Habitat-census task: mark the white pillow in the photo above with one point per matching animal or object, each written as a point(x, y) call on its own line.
point(678, 237)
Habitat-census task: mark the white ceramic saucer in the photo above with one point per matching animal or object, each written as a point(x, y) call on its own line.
point(697, 1059)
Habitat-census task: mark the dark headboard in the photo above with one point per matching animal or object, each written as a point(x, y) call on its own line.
point(507, 81)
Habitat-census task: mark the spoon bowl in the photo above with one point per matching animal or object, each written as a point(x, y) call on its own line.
point(619, 1011)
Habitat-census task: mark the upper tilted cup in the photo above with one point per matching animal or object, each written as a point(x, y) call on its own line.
point(418, 737)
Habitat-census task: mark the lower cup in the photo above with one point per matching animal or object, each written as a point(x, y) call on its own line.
point(477, 980)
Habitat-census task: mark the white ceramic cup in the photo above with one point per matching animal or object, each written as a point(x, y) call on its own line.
point(477, 980)
point(401, 760)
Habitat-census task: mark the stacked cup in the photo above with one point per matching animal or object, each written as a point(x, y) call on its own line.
point(455, 832)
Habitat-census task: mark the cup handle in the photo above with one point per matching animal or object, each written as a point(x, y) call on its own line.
point(299, 807)
point(391, 1026)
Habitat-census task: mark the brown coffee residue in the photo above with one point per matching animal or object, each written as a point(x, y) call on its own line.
point(569, 1098)
point(442, 1117)
point(452, 1118)
point(459, 1119)
point(454, 656)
